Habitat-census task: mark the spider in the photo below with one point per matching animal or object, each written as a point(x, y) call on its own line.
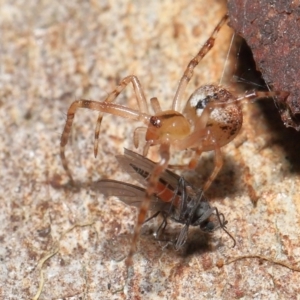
point(174, 197)
point(211, 119)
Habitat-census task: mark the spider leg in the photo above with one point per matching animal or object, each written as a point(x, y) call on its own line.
point(179, 167)
point(200, 133)
point(141, 101)
point(217, 168)
point(218, 161)
point(192, 163)
point(148, 144)
point(188, 73)
point(103, 107)
point(254, 95)
point(164, 151)
point(201, 139)
point(155, 105)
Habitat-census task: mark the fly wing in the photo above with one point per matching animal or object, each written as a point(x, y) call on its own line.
point(182, 237)
point(140, 168)
point(128, 193)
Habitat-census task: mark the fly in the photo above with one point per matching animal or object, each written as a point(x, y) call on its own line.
point(174, 197)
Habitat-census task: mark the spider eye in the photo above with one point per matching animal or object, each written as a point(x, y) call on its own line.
point(155, 121)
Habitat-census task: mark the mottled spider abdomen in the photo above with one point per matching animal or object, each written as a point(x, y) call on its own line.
point(225, 120)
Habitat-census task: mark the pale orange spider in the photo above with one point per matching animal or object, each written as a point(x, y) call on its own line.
point(211, 118)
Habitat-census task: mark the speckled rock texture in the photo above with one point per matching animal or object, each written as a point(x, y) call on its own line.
point(63, 242)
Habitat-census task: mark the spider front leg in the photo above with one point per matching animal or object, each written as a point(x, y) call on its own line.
point(254, 95)
point(189, 71)
point(103, 107)
point(141, 101)
point(164, 151)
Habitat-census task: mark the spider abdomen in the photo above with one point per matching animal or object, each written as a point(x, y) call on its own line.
point(224, 121)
